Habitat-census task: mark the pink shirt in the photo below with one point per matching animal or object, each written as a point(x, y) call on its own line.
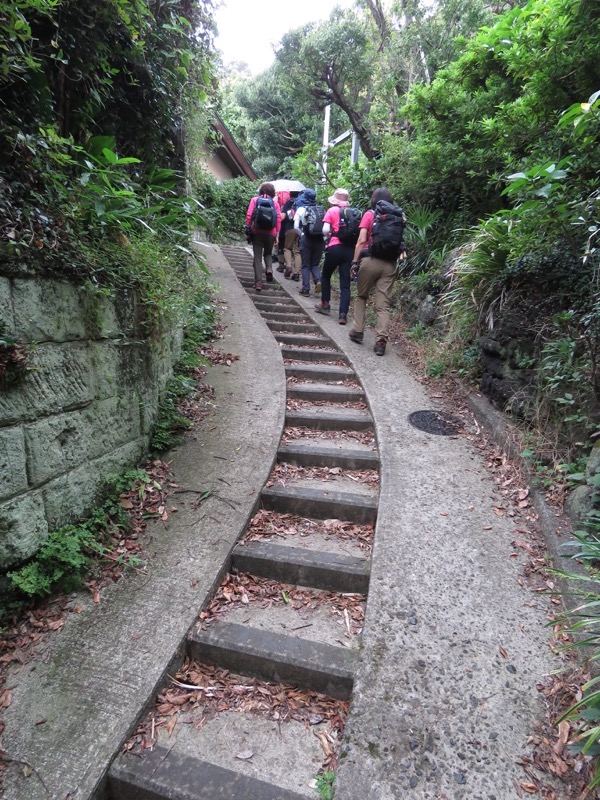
point(274, 231)
point(367, 223)
point(332, 216)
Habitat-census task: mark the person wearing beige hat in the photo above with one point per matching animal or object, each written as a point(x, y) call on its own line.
point(338, 254)
point(339, 198)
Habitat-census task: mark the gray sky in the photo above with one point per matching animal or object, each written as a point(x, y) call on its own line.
point(247, 29)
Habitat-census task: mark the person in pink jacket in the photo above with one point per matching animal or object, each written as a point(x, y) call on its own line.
point(263, 221)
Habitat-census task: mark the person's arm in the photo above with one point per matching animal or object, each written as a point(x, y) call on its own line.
point(363, 236)
point(249, 212)
point(299, 219)
point(364, 232)
point(327, 224)
point(279, 216)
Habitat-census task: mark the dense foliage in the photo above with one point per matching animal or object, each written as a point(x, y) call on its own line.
point(93, 99)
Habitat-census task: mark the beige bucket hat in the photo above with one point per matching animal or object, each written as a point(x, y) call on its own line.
point(339, 198)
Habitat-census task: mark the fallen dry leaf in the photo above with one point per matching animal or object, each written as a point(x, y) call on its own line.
point(529, 787)
point(169, 727)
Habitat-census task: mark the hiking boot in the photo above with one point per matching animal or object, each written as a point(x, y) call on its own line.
point(321, 309)
point(342, 319)
point(296, 277)
point(258, 286)
point(281, 268)
point(287, 273)
point(318, 287)
point(356, 336)
point(380, 347)
point(269, 277)
point(305, 292)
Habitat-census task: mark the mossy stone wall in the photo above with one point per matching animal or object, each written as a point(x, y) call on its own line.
point(83, 408)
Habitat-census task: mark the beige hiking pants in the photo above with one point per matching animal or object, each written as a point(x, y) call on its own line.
point(291, 251)
point(379, 274)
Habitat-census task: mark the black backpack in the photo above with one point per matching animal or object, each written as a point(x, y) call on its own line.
point(349, 225)
point(312, 224)
point(387, 232)
point(264, 215)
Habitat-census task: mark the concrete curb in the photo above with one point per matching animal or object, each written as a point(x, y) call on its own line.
point(554, 527)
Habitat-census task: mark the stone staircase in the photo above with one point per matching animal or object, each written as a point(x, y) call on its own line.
point(301, 638)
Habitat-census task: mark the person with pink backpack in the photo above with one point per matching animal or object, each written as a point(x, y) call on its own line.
point(340, 227)
point(263, 221)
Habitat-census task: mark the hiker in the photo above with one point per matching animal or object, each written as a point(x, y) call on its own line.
point(263, 221)
point(308, 222)
point(291, 239)
point(338, 253)
point(282, 198)
point(376, 254)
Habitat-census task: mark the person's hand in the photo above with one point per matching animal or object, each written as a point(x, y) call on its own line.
point(354, 267)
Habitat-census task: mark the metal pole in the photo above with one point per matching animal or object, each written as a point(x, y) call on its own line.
point(326, 139)
point(355, 149)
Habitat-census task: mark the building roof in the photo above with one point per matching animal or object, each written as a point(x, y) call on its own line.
point(229, 152)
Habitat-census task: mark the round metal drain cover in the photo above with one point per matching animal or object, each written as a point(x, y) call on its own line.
point(437, 422)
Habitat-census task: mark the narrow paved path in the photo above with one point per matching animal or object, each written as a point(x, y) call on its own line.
point(443, 685)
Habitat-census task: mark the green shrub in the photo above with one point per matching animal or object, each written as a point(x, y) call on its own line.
point(69, 553)
point(325, 783)
point(199, 328)
point(62, 561)
point(223, 205)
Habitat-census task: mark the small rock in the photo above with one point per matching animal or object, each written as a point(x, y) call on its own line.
point(511, 668)
point(459, 777)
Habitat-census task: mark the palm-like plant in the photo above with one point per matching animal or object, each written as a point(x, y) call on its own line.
point(421, 222)
point(477, 275)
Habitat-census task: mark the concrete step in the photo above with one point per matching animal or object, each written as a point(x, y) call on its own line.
point(326, 419)
point(164, 774)
point(275, 657)
point(267, 288)
point(332, 572)
point(299, 340)
point(322, 503)
point(306, 454)
point(275, 304)
point(283, 316)
point(249, 282)
point(319, 372)
point(331, 394)
point(292, 327)
point(310, 354)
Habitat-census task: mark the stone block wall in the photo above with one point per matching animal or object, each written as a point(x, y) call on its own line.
point(84, 407)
